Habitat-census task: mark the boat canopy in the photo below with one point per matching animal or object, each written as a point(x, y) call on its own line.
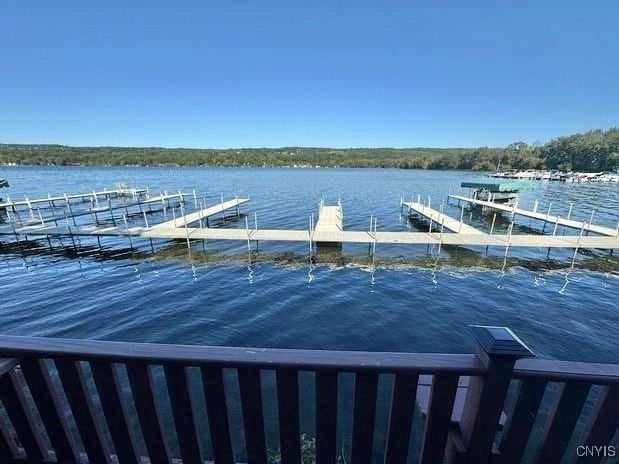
point(499, 187)
point(4, 183)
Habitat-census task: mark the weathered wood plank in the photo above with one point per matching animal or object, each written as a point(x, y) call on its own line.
point(253, 418)
point(107, 383)
point(80, 405)
point(520, 422)
point(288, 407)
point(326, 417)
point(217, 412)
point(20, 417)
point(47, 402)
point(442, 398)
point(603, 422)
point(364, 414)
point(401, 418)
point(142, 391)
point(564, 412)
point(182, 411)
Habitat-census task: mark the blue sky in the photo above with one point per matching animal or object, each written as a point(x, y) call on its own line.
point(269, 73)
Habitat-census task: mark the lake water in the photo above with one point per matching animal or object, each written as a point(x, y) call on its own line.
point(406, 301)
point(409, 298)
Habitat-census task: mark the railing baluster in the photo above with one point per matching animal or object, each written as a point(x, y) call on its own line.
point(401, 418)
point(442, 398)
point(217, 411)
point(21, 418)
point(603, 422)
point(326, 416)
point(142, 391)
point(564, 413)
point(108, 387)
point(71, 376)
point(253, 420)
point(366, 385)
point(288, 405)
point(182, 411)
point(518, 429)
point(47, 402)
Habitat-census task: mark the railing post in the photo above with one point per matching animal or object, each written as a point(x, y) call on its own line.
point(499, 349)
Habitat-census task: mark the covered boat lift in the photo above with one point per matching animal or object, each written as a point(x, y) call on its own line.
point(496, 192)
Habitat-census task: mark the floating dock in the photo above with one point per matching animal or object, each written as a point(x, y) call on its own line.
point(559, 221)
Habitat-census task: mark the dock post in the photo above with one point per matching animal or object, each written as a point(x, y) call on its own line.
point(461, 219)
point(109, 205)
point(127, 230)
point(145, 219)
point(554, 232)
point(30, 207)
point(248, 236)
point(223, 211)
point(310, 236)
point(374, 242)
point(66, 199)
point(498, 348)
point(509, 237)
point(582, 231)
point(195, 199)
point(186, 230)
point(590, 220)
point(569, 213)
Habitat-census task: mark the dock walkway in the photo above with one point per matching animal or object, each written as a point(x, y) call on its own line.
point(202, 214)
point(92, 195)
point(541, 216)
point(360, 237)
point(439, 219)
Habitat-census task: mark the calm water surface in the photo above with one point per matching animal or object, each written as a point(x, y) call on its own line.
point(408, 300)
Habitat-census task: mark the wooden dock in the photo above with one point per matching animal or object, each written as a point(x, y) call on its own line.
point(552, 219)
point(440, 219)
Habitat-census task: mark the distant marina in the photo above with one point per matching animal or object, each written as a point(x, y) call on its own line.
point(560, 176)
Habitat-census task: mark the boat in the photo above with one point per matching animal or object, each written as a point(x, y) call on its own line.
point(498, 192)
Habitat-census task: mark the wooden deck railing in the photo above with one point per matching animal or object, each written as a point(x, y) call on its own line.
point(102, 402)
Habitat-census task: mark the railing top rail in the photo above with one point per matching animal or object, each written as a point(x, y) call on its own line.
point(560, 371)
point(266, 358)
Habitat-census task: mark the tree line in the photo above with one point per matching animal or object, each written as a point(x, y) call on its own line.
point(596, 150)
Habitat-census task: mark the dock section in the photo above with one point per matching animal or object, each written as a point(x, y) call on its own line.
point(329, 227)
point(90, 196)
point(205, 213)
point(552, 219)
point(287, 235)
point(441, 219)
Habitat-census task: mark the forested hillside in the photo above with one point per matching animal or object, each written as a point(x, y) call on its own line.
point(596, 150)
